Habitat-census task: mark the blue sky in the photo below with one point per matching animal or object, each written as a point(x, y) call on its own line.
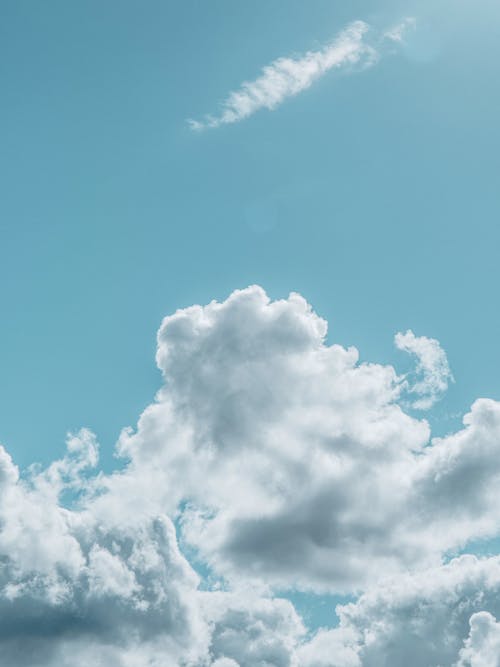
point(373, 193)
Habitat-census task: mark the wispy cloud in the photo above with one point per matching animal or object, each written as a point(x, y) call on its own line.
point(396, 33)
point(432, 373)
point(286, 77)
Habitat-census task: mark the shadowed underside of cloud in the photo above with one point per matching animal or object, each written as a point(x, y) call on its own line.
point(286, 77)
point(285, 463)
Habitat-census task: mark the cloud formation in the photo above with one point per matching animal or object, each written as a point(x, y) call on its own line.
point(286, 77)
point(440, 617)
point(482, 647)
point(89, 585)
point(277, 462)
point(272, 446)
point(432, 373)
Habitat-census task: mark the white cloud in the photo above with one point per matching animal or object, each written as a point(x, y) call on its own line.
point(293, 465)
point(286, 77)
point(98, 585)
point(418, 620)
point(286, 464)
point(337, 648)
point(88, 586)
point(482, 647)
point(248, 630)
point(432, 373)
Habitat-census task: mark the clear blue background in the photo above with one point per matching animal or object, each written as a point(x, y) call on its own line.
point(376, 194)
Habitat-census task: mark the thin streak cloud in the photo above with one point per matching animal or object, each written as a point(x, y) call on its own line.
point(286, 77)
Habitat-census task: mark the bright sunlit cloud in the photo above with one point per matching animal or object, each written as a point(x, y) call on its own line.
point(286, 464)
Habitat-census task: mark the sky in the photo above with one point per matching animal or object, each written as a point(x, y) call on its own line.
point(249, 347)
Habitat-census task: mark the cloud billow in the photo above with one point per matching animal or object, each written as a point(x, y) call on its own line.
point(285, 464)
point(276, 444)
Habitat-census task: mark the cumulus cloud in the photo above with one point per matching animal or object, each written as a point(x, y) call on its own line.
point(286, 77)
point(97, 585)
point(249, 631)
point(283, 463)
point(420, 620)
point(85, 586)
point(482, 647)
point(291, 463)
point(432, 373)
point(331, 648)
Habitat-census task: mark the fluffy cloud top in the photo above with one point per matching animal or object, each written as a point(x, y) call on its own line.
point(286, 77)
point(283, 463)
point(296, 465)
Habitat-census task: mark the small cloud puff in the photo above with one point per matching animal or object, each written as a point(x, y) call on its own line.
point(432, 373)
